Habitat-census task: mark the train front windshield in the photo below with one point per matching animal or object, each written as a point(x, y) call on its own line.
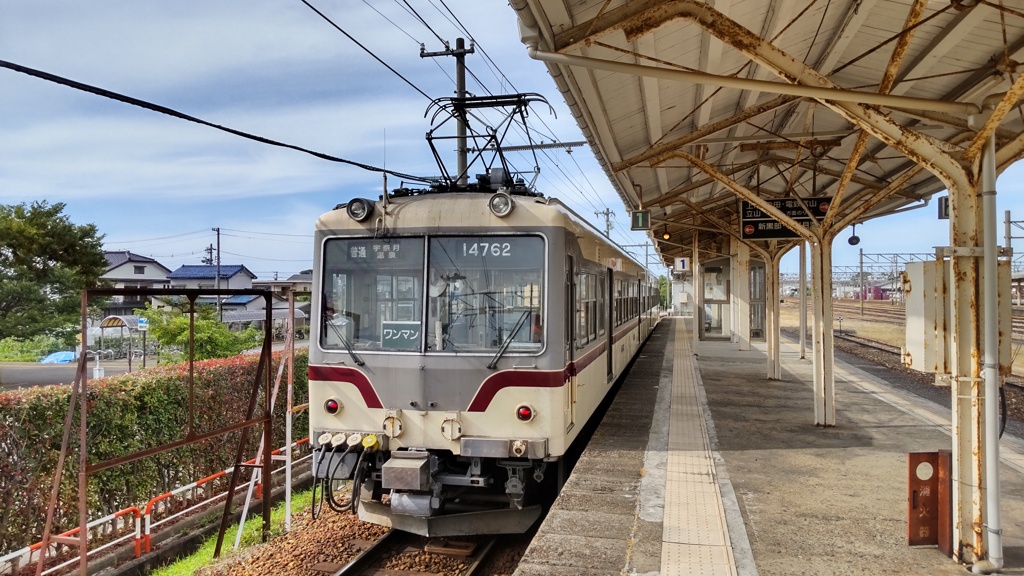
point(476, 294)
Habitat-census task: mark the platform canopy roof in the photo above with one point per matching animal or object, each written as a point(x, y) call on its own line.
point(691, 105)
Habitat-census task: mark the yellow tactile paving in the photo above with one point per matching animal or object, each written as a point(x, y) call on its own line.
point(695, 537)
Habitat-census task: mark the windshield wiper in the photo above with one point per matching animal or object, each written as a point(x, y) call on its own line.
point(508, 339)
point(345, 341)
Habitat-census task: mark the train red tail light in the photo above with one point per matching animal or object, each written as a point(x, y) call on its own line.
point(332, 406)
point(524, 413)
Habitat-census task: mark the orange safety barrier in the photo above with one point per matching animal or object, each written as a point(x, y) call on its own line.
point(133, 511)
point(140, 536)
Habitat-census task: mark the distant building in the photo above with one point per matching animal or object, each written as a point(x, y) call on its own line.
point(126, 270)
point(232, 276)
point(300, 283)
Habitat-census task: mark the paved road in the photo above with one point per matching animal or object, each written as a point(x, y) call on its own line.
point(23, 374)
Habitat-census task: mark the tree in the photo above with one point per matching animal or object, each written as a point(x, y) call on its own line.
point(665, 290)
point(45, 261)
point(170, 327)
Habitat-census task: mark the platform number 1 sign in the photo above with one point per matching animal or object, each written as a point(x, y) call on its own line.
point(640, 220)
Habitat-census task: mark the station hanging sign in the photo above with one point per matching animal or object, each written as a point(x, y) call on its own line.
point(755, 224)
point(640, 220)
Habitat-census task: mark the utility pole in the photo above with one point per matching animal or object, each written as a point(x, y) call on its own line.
point(607, 220)
point(460, 92)
point(220, 306)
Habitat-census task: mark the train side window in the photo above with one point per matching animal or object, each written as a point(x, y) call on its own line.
point(601, 303)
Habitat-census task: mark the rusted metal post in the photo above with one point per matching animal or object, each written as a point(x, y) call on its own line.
point(965, 351)
point(290, 358)
point(83, 452)
point(268, 440)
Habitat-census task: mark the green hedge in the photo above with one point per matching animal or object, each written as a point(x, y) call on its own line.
point(127, 413)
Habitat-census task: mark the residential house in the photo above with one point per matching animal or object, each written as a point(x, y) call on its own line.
point(236, 310)
point(126, 270)
point(232, 276)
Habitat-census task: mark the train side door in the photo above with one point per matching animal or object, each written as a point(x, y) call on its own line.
point(570, 342)
point(609, 291)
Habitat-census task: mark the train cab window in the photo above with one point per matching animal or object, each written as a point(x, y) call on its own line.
point(485, 293)
point(373, 294)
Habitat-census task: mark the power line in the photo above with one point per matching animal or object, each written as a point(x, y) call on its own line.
point(296, 242)
point(310, 259)
point(182, 116)
point(365, 49)
point(391, 21)
point(268, 233)
point(203, 231)
point(424, 22)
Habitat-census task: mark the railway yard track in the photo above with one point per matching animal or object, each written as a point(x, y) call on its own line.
point(888, 356)
point(884, 312)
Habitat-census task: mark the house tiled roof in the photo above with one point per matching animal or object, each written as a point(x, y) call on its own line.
point(208, 272)
point(119, 257)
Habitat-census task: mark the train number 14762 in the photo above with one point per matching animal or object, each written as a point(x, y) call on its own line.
point(486, 249)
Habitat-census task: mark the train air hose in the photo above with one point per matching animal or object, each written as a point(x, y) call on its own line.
point(370, 445)
point(329, 485)
point(325, 484)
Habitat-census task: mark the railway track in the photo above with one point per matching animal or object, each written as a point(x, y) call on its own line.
point(884, 312)
point(1012, 384)
point(400, 553)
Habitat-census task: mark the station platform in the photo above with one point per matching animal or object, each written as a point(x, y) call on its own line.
point(703, 466)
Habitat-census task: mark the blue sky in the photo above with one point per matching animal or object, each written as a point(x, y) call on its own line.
point(157, 185)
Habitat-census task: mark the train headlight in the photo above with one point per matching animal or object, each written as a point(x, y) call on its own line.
point(359, 209)
point(501, 204)
point(525, 412)
point(332, 406)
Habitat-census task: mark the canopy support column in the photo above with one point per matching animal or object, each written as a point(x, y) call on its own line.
point(741, 293)
point(822, 337)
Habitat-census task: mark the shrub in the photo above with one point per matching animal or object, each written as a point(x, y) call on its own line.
point(127, 413)
point(30, 350)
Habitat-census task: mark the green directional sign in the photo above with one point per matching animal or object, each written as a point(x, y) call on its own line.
point(640, 220)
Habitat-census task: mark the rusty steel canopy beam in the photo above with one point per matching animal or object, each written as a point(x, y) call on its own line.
point(749, 195)
point(637, 18)
point(658, 153)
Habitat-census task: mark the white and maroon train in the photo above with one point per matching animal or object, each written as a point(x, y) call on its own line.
point(463, 340)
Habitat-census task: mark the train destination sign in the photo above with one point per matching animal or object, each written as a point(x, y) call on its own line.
point(755, 224)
